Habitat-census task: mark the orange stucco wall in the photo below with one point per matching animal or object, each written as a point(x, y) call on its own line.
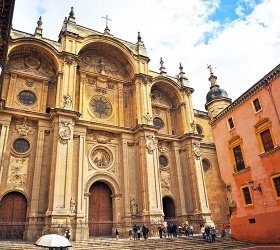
point(266, 207)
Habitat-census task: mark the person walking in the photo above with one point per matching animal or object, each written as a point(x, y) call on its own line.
point(117, 234)
point(135, 229)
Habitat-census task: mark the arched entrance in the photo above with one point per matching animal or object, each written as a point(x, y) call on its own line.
point(13, 208)
point(168, 208)
point(100, 210)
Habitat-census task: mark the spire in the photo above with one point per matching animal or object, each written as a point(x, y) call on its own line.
point(162, 68)
point(38, 30)
point(182, 78)
point(139, 40)
point(107, 30)
point(212, 78)
point(71, 16)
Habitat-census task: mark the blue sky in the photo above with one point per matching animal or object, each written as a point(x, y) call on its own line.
point(241, 38)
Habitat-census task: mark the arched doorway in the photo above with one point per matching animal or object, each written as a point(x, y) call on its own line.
point(100, 210)
point(168, 208)
point(13, 207)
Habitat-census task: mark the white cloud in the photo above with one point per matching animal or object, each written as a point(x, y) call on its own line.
point(242, 51)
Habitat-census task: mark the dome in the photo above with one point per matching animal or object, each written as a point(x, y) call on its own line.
point(216, 93)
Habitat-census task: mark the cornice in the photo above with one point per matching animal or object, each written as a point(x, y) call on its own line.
point(266, 80)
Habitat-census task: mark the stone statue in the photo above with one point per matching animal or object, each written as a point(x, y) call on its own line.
point(72, 205)
point(133, 207)
point(67, 101)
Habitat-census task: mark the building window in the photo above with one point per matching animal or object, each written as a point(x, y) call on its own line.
point(247, 195)
point(27, 97)
point(264, 135)
point(237, 152)
point(158, 122)
point(276, 184)
point(163, 161)
point(257, 105)
point(21, 146)
point(267, 140)
point(206, 165)
point(199, 129)
point(230, 123)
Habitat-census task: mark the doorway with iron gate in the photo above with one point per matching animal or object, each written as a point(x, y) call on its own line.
point(168, 208)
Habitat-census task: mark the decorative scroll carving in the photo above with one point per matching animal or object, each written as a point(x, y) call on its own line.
point(17, 175)
point(101, 136)
point(163, 147)
point(196, 149)
point(24, 126)
point(69, 60)
point(67, 104)
point(65, 132)
point(133, 207)
point(148, 118)
point(151, 145)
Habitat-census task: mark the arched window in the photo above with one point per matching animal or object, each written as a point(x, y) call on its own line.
point(206, 165)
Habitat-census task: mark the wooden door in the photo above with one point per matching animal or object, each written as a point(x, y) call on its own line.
point(13, 208)
point(100, 210)
point(168, 208)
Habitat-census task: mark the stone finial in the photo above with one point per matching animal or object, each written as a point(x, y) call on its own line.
point(71, 16)
point(139, 40)
point(181, 77)
point(38, 30)
point(162, 68)
point(212, 78)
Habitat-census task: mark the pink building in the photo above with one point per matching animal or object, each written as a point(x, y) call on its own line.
point(247, 138)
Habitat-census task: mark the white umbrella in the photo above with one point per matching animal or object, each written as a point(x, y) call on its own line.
point(52, 241)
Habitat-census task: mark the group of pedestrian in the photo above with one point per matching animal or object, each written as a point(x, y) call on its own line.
point(136, 231)
point(208, 233)
point(171, 230)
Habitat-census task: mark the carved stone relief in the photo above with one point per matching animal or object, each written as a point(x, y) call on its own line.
point(196, 149)
point(65, 132)
point(102, 63)
point(17, 175)
point(24, 126)
point(151, 145)
point(160, 98)
point(163, 147)
point(67, 103)
point(100, 158)
point(148, 118)
point(31, 63)
point(101, 136)
point(165, 181)
point(133, 207)
point(73, 206)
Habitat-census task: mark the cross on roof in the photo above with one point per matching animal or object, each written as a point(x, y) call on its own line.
point(107, 19)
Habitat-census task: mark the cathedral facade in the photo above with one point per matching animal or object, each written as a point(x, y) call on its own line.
point(91, 139)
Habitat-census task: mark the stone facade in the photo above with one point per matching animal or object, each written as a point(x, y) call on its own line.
point(87, 109)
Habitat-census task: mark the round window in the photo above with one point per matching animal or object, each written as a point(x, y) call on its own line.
point(27, 97)
point(206, 165)
point(163, 161)
point(21, 146)
point(158, 122)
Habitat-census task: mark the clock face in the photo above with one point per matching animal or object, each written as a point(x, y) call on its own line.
point(100, 107)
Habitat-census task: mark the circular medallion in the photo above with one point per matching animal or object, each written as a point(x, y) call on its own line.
point(100, 107)
point(101, 158)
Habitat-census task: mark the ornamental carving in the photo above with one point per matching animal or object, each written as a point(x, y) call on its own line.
point(24, 126)
point(133, 207)
point(151, 145)
point(17, 175)
point(67, 103)
point(148, 118)
point(196, 149)
point(101, 136)
point(165, 181)
point(163, 147)
point(160, 98)
point(65, 132)
point(31, 63)
point(101, 107)
point(73, 206)
point(101, 62)
point(29, 82)
point(101, 158)
point(69, 60)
